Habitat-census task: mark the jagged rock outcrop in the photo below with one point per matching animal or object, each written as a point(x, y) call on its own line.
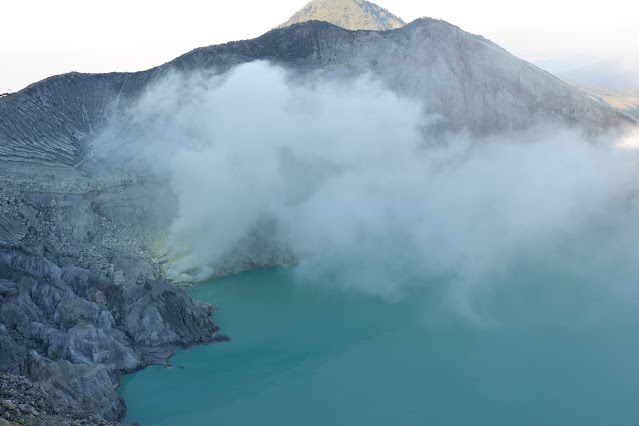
point(69, 328)
point(348, 14)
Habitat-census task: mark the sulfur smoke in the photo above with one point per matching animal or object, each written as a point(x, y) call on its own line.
point(346, 176)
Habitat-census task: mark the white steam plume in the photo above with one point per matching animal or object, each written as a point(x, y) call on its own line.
point(347, 180)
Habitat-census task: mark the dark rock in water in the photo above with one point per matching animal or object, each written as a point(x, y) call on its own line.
point(222, 338)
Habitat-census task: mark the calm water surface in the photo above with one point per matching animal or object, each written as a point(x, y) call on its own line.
point(302, 355)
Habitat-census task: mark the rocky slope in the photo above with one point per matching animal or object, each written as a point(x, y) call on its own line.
point(82, 293)
point(348, 14)
point(78, 332)
point(626, 100)
point(27, 403)
point(469, 82)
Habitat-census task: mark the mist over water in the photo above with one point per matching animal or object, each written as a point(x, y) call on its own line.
point(348, 177)
point(447, 280)
point(315, 355)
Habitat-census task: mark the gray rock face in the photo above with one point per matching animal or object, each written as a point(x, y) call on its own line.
point(88, 387)
point(25, 402)
point(69, 328)
point(470, 82)
point(82, 294)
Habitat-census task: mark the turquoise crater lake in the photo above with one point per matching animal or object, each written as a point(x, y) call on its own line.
point(304, 354)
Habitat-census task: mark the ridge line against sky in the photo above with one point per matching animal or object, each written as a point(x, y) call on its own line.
point(40, 38)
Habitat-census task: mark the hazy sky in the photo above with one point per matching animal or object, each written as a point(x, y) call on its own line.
point(39, 38)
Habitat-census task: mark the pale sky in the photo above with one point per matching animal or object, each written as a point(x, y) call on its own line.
point(40, 38)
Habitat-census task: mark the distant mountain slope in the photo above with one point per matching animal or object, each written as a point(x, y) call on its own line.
point(619, 73)
point(624, 99)
point(348, 14)
point(469, 81)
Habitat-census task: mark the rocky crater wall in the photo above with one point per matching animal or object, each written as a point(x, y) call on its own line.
point(82, 292)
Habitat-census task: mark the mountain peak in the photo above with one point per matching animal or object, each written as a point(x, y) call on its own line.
point(348, 14)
